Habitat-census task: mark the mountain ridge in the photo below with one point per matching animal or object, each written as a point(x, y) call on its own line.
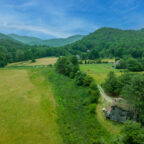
point(56, 42)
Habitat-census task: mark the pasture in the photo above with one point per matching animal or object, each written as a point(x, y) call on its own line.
point(40, 61)
point(98, 71)
point(27, 109)
point(31, 110)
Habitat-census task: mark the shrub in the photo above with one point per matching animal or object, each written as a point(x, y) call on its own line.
point(79, 78)
point(3, 60)
point(133, 133)
point(93, 86)
point(88, 80)
point(67, 66)
point(91, 108)
point(94, 96)
point(33, 60)
point(111, 83)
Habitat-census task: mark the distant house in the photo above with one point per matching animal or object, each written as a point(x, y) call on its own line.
point(78, 56)
point(116, 63)
point(88, 50)
point(119, 111)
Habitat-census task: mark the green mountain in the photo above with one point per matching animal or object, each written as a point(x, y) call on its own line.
point(63, 41)
point(51, 42)
point(104, 42)
point(111, 42)
point(25, 39)
point(3, 36)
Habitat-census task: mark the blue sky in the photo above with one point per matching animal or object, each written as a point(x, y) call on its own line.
point(62, 18)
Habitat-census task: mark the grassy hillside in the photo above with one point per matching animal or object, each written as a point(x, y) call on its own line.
point(52, 42)
point(27, 108)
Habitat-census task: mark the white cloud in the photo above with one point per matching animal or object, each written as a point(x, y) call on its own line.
point(124, 6)
point(50, 19)
point(35, 29)
point(23, 5)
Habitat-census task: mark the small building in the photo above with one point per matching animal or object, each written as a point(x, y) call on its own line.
point(116, 63)
point(78, 56)
point(119, 111)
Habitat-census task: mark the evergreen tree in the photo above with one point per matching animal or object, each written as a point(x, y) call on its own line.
point(111, 83)
point(3, 60)
point(133, 133)
point(134, 94)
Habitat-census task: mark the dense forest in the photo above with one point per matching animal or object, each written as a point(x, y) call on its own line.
point(14, 51)
point(110, 42)
point(130, 87)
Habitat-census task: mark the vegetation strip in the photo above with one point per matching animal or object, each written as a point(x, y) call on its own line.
point(78, 123)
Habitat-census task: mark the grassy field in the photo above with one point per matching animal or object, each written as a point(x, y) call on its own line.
point(27, 109)
point(41, 61)
point(39, 106)
point(108, 60)
point(98, 71)
point(29, 113)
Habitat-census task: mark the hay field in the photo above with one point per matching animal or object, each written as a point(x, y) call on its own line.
point(98, 71)
point(41, 61)
point(108, 60)
point(27, 109)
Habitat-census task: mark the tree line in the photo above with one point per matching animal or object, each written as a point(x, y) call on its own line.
point(130, 87)
point(131, 64)
point(13, 51)
point(69, 66)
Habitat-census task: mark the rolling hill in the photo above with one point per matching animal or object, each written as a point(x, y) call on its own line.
point(51, 42)
point(111, 42)
point(3, 36)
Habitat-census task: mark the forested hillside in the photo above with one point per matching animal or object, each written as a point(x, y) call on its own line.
point(110, 42)
point(104, 42)
point(51, 42)
point(14, 51)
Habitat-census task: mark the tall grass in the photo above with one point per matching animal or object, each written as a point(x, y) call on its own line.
point(78, 123)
